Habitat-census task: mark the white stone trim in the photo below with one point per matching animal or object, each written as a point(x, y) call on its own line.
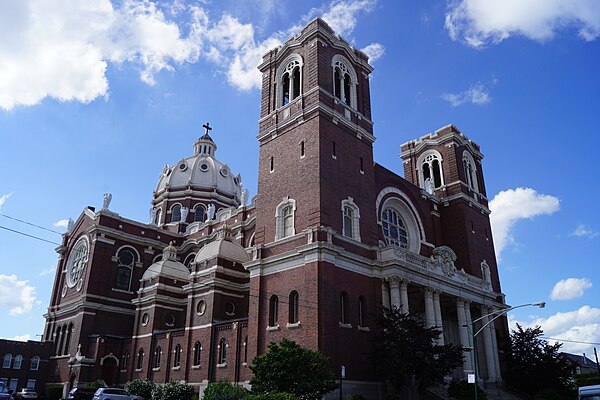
point(349, 202)
point(279, 218)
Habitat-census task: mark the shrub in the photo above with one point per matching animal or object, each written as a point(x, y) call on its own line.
point(142, 388)
point(95, 385)
point(272, 396)
point(172, 391)
point(461, 390)
point(224, 391)
point(53, 391)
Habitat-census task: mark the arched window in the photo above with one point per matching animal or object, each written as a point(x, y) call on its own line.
point(176, 213)
point(223, 351)
point(158, 215)
point(197, 353)
point(126, 258)
point(177, 356)
point(7, 360)
point(289, 80)
point(284, 218)
point(63, 334)
point(362, 309)
point(273, 311)
point(157, 354)
point(35, 363)
point(246, 350)
point(293, 305)
point(344, 81)
point(18, 361)
point(125, 360)
point(470, 171)
point(343, 308)
point(350, 219)
point(430, 164)
point(394, 228)
point(68, 340)
point(140, 358)
point(189, 260)
point(199, 213)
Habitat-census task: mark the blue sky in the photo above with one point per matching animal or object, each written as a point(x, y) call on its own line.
point(96, 98)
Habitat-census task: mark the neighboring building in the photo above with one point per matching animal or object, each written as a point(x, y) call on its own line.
point(24, 364)
point(580, 363)
point(203, 288)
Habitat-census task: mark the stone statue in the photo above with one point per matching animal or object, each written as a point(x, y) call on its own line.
point(153, 216)
point(70, 225)
point(184, 213)
point(210, 212)
point(429, 186)
point(106, 201)
point(245, 194)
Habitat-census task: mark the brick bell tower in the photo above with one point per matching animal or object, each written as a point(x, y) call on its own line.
point(316, 155)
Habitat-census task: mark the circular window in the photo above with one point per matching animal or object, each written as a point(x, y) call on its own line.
point(182, 167)
point(145, 319)
point(170, 320)
point(224, 172)
point(77, 261)
point(230, 309)
point(201, 307)
point(204, 167)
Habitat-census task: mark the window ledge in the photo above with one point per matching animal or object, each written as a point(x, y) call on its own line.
point(156, 369)
point(177, 368)
point(273, 328)
point(346, 326)
point(364, 328)
point(293, 325)
point(244, 364)
point(123, 370)
point(223, 365)
point(121, 291)
point(195, 367)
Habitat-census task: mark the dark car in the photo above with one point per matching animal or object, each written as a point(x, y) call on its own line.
point(80, 393)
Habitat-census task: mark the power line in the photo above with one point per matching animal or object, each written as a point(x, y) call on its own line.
point(570, 341)
point(28, 235)
point(31, 224)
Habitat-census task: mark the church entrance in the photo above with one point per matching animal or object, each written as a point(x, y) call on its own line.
point(109, 370)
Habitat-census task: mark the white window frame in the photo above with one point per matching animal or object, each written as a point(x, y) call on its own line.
point(427, 158)
point(341, 62)
point(355, 227)
point(280, 218)
point(406, 209)
point(470, 179)
point(7, 360)
point(35, 362)
point(171, 213)
point(287, 67)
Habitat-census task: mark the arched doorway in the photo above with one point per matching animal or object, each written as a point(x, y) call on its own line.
point(109, 370)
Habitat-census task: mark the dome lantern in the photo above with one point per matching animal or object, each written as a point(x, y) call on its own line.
point(205, 144)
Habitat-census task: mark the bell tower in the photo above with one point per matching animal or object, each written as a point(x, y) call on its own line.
point(315, 135)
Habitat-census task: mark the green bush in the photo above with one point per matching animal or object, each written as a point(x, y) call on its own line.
point(53, 391)
point(461, 390)
point(94, 385)
point(587, 379)
point(139, 387)
point(548, 394)
point(272, 396)
point(224, 391)
point(172, 391)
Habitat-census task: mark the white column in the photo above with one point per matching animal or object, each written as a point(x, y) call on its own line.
point(385, 294)
point(404, 296)
point(395, 291)
point(488, 347)
point(496, 358)
point(429, 310)
point(465, 341)
point(438, 315)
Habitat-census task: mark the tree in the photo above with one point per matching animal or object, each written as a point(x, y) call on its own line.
point(534, 365)
point(287, 367)
point(407, 355)
point(172, 391)
point(224, 391)
point(139, 387)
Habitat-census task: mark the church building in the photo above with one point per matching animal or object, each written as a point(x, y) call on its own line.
point(197, 292)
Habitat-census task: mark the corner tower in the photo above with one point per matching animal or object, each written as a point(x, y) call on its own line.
point(315, 135)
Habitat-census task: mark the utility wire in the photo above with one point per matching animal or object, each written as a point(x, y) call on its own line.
point(28, 235)
point(570, 341)
point(29, 223)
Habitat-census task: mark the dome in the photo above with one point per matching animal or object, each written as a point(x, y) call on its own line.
point(201, 171)
point(223, 247)
point(167, 267)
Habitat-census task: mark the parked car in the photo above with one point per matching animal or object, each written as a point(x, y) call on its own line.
point(114, 394)
point(26, 393)
point(4, 395)
point(81, 393)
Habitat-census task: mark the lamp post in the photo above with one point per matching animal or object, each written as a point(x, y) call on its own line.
point(497, 314)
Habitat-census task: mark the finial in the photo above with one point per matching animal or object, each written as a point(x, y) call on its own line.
point(207, 128)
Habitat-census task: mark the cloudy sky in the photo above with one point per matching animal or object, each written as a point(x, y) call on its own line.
point(96, 97)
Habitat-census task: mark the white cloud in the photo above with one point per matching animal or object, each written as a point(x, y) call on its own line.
point(16, 296)
point(63, 223)
point(61, 49)
point(3, 199)
point(570, 288)
point(47, 271)
point(582, 325)
point(510, 206)
point(476, 94)
point(374, 51)
point(584, 231)
point(20, 338)
point(482, 22)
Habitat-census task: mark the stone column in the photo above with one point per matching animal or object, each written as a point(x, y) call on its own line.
point(395, 291)
point(465, 341)
point(429, 309)
point(404, 296)
point(488, 347)
point(438, 315)
point(496, 357)
point(385, 294)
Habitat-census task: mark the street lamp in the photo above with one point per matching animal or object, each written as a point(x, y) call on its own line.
point(497, 314)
